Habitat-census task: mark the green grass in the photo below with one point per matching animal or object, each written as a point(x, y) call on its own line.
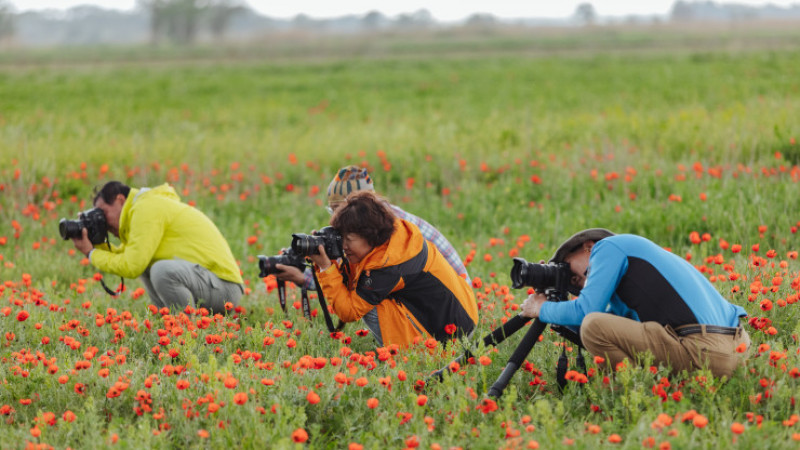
point(706, 137)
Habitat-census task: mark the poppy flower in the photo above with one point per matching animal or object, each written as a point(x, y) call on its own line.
point(240, 398)
point(487, 405)
point(299, 436)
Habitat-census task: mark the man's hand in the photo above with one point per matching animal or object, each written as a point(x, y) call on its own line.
point(290, 273)
point(322, 261)
point(83, 244)
point(532, 305)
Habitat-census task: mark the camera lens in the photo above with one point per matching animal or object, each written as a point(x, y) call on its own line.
point(539, 276)
point(69, 229)
point(305, 245)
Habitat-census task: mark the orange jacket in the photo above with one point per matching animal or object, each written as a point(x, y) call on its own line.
point(416, 292)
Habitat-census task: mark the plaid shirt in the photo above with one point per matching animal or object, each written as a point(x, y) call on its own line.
point(430, 234)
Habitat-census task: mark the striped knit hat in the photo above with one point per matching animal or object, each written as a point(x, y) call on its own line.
point(348, 180)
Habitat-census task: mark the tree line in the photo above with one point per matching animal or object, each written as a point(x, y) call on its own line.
point(184, 22)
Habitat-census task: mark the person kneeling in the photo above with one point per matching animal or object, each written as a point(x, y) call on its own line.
point(636, 297)
point(388, 265)
point(176, 250)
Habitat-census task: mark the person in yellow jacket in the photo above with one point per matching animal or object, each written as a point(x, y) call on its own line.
point(180, 255)
point(388, 265)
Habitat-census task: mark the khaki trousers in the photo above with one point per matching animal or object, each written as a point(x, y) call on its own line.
point(616, 338)
point(176, 283)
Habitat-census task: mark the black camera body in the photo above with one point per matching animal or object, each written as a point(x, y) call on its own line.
point(307, 245)
point(94, 220)
point(542, 277)
point(288, 257)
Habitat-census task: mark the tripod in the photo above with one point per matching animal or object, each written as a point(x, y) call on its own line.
point(525, 346)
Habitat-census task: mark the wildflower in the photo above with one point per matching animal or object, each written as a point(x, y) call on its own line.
point(299, 436)
point(700, 421)
point(240, 398)
point(312, 398)
point(487, 405)
point(422, 400)
point(372, 403)
point(231, 382)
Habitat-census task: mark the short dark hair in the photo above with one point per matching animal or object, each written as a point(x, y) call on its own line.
point(367, 215)
point(110, 190)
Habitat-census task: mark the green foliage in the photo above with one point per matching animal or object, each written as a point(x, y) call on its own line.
point(505, 154)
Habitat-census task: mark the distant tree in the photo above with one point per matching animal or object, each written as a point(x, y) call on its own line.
point(372, 20)
point(220, 13)
point(303, 22)
point(6, 21)
point(420, 19)
point(481, 20)
point(586, 14)
point(177, 20)
point(681, 12)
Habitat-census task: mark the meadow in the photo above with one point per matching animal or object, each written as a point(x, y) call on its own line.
point(507, 152)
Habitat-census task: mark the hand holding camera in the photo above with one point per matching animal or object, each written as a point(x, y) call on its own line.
point(89, 230)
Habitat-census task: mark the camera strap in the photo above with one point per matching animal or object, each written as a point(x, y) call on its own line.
point(324, 307)
point(306, 306)
point(121, 280)
point(282, 294)
point(113, 293)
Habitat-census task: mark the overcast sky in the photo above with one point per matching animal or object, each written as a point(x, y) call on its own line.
point(443, 10)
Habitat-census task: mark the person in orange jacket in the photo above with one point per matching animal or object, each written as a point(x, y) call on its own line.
point(389, 266)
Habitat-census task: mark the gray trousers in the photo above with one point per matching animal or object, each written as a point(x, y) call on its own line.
point(175, 284)
point(371, 321)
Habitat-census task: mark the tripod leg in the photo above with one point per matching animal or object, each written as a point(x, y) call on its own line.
point(494, 338)
point(500, 334)
point(525, 346)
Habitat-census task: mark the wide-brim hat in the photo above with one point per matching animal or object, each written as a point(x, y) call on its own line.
point(577, 239)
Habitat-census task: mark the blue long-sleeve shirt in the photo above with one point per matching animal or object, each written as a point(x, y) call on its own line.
point(633, 277)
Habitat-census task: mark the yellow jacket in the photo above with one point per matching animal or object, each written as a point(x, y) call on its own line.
point(416, 292)
point(155, 225)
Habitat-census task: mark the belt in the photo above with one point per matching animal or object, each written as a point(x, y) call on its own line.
point(686, 330)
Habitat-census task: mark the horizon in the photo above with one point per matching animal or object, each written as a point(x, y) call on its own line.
point(441, 11)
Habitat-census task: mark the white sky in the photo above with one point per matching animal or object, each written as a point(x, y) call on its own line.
point(443, 10)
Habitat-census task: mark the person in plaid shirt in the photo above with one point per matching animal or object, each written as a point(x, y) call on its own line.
point(351, 179)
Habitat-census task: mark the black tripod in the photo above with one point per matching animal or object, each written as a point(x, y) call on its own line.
point(525, 346)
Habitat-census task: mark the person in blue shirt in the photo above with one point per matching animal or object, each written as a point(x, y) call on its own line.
point(636, 297)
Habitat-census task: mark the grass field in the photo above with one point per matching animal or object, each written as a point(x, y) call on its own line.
point(506, 150)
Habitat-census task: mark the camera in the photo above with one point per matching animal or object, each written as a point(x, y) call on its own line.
point(541, 276)
point(328, 238)
point(94, 220)
point(287, 257)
